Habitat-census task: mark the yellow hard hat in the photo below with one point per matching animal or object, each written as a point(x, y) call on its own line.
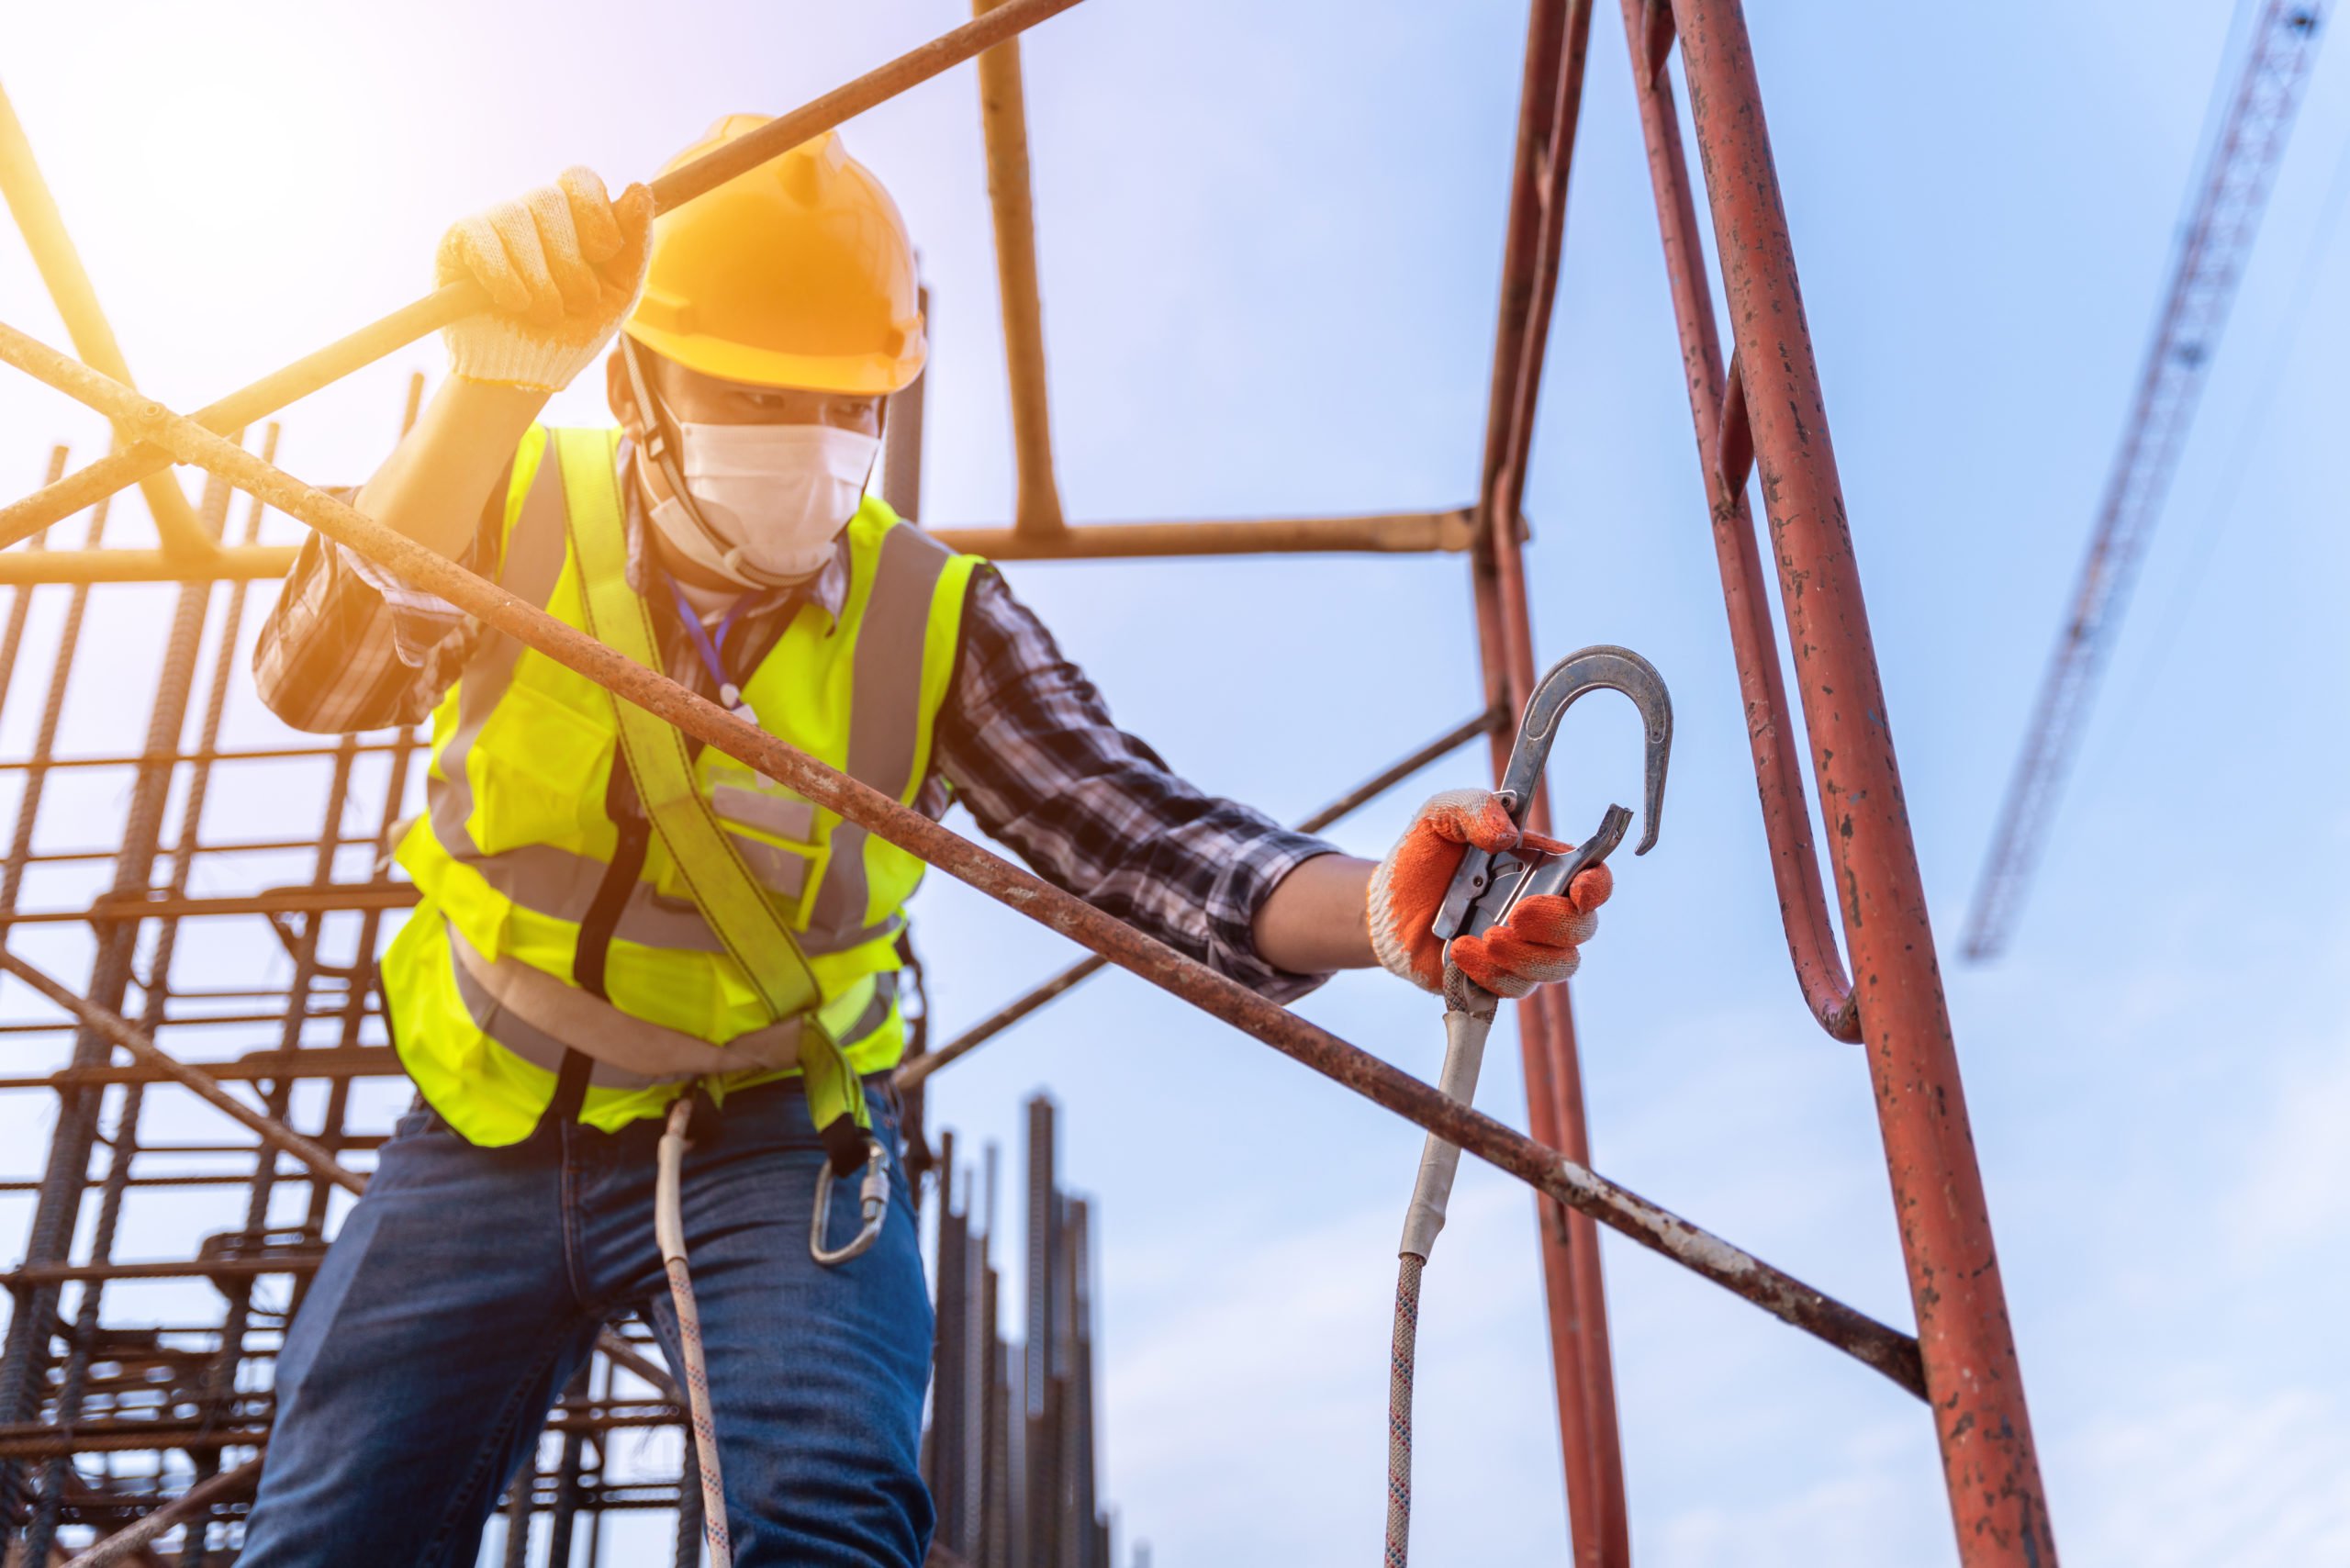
point(796, 273)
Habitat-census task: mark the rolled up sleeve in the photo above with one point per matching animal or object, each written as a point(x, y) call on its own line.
point(348, 647)
point(1028, 744)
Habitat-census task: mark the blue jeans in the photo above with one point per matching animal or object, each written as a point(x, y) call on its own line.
point(468, 1284)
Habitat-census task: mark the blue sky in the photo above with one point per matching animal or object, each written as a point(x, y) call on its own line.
point(1270, 243)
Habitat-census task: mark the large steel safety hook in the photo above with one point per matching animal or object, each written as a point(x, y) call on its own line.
point(1488, 885)
point(1484, 891)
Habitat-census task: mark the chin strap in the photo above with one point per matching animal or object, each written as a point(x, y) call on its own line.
point(661, 445)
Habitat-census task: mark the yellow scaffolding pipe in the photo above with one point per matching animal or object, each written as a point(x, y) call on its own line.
point(28, 198)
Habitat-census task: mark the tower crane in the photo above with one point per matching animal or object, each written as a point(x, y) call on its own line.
point(2226, 199)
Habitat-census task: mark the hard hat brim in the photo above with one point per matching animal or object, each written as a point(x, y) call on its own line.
point(868, 374)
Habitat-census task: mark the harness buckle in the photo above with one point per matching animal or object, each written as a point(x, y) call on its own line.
point(873, 1202)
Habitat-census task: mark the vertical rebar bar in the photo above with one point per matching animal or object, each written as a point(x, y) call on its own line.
point(156, 991)
point(44, 748)
point(976, 1369)
point(1042, 1242)
point(942, 1446)
point(998, 1500)
point(1082, 1503)
point(20, 601)
point(595, 1552)
point(278, 1098)
point(564, 1511)
point(687, 1551)
point(518, 1498)
point(57, 1206)
point(74, 1378)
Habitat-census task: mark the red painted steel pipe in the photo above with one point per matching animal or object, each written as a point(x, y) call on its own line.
point(453, 302)
point(1778, 774)
point(1582, 1366)
point(1989, 1464)
point(1890, 1352)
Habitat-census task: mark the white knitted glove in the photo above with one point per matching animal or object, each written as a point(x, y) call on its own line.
point(562, 265)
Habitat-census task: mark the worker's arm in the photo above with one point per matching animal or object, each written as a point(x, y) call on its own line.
point(348, 645)
point(1338, 913)
point(430, 489)
point(344, 649)
point(1318, 917)
point(1029, 746)
point(562, 265)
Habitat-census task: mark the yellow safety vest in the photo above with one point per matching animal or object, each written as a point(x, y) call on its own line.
point(552, 915)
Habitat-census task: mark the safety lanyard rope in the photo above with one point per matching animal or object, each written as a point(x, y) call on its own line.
point(711, 649)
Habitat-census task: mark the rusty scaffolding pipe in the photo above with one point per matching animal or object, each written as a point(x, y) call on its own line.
point(1582, 1366)
point(1726, 457)
point(454, 301)
point(1003, 124)
point(1416, 532)
point(1887, 1350)
point(918, 1069)
point(1990, 1466)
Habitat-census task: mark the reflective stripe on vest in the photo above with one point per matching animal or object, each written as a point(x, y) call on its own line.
point(739, 909)
point(517, 839)
point(537, 1017)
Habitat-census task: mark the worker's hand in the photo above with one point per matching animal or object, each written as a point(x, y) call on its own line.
point(562, 265)
point(1538, 942)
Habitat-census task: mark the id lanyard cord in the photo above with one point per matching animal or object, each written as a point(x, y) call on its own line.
point(711, 649)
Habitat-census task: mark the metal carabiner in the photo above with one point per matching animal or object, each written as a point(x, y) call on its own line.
point(1489, 883)
point(873, 1201)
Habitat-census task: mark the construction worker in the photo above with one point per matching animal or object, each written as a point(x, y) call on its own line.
point(579, 959)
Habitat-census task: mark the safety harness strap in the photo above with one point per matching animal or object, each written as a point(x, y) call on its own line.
point(731, 899)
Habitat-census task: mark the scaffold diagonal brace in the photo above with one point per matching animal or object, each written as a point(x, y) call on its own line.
point(1887, 1350)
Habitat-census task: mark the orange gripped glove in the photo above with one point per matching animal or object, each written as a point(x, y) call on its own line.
point(1541, 940)
point(562, 265)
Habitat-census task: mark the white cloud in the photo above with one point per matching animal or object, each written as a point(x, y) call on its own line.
point(2296, 1188)
point(1860, 1517)
point(1253, 1427)
point(2250, 1482)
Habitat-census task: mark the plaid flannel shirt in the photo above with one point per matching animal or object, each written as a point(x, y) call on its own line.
point(1025, 740)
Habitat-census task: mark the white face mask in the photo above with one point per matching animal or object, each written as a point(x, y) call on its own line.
point(775, 496)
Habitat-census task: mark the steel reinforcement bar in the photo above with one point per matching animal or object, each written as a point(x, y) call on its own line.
point(1889, 1352)
point(274, 1134)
